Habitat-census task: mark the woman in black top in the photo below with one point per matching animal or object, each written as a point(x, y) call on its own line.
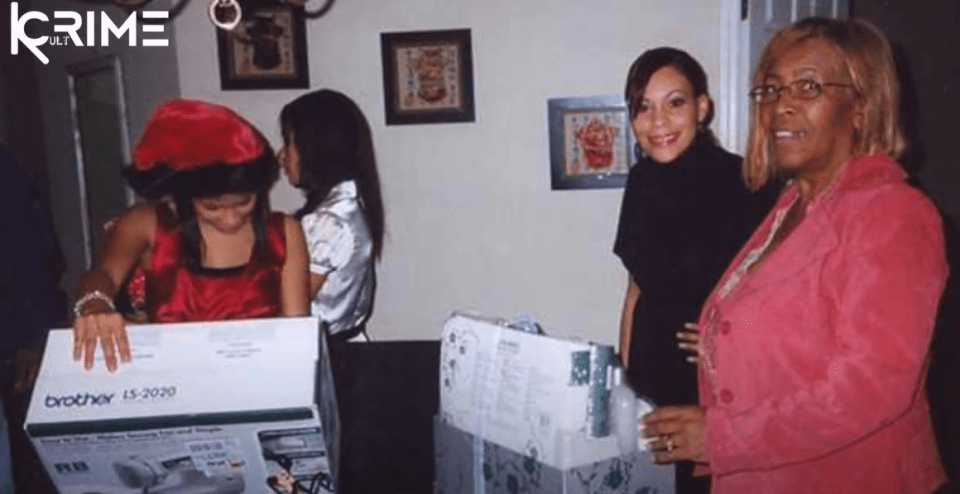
point(685, 214)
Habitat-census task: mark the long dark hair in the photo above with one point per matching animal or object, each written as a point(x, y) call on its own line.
point(653, 60)
point(253, 177)
point(334, 142)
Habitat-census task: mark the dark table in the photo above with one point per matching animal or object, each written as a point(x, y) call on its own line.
point(387, 396)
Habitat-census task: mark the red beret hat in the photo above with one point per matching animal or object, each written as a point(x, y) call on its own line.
point(188, 134)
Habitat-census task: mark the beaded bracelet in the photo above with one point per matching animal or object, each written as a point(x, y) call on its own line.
point(94, 295)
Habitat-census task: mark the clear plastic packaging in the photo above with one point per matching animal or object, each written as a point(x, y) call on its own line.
point(626, 408)
point(623, 413)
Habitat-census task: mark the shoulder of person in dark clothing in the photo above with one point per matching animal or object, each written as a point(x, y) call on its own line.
point(31, 263)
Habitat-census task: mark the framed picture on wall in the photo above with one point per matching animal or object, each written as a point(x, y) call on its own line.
point(267, 50)
point(427, 76)
point(591, 143)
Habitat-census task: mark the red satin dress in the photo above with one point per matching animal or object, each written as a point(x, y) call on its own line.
point(175, 294)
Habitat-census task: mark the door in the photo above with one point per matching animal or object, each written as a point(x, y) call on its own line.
point(116, 80)
point(99, 111)
point(746, 27)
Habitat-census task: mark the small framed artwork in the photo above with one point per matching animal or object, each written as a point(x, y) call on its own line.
point(591, 142)
point(267, 50)
point(427, 76)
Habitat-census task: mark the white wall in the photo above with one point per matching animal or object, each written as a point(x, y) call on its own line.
point(472, 222)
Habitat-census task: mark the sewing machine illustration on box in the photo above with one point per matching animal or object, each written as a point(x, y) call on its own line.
point(176, 475)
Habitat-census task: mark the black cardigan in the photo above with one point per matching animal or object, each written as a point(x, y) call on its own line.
point(681, 224)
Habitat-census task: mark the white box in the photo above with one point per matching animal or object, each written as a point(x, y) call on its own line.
point(216, 408)
point(542, 397)
point(466, 464)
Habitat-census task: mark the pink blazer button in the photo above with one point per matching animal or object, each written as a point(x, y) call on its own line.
point(726, 396)
point(724, 328)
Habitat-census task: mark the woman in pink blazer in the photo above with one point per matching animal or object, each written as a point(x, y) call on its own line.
point(814, 343)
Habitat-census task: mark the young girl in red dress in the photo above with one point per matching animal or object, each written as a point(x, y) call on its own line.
point(208, 244)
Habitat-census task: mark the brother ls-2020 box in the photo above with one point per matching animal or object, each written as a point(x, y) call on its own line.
point(203, 408)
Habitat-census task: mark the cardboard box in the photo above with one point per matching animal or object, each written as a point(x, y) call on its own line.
point(204, 408)
point(518, 405)
point(528, 392)
point(466, 464)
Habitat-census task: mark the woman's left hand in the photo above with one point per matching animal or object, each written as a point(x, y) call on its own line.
point(676, 433)
point(689, 341)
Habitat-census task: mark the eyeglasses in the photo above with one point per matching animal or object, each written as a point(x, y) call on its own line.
point(804, 89)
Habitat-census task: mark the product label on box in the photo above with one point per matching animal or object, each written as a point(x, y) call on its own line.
point(519, 389)
point(125, 395)
point(226, 458)
point(181, 368)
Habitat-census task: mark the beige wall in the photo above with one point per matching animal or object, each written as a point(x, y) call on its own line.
point(472, 222)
